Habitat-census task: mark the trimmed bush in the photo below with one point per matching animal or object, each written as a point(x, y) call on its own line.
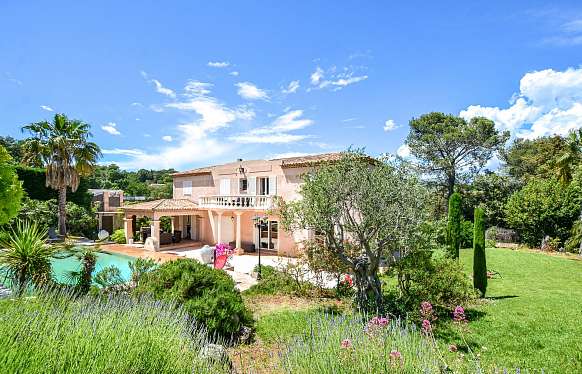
point(479, 260)
point(208, 295)
point(118, 236)
point(454, 225)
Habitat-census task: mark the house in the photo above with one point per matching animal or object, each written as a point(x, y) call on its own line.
point(108, 204)
point(230, 203)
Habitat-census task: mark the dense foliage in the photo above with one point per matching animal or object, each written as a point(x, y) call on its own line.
point(10, 188)
point(118, 236)
point(479, 260)
point(34, 183)
point(454, 225)
point(81, 221)
point(544, 207)
point(206, 294)
point(153, 184)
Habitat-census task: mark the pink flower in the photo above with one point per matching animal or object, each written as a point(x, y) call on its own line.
point(459, 314)
point(395, 357)
point(425, 309)
point(374, 320)
point(426, 326)
point(453, 348)
point(346, 344)
point(383, 321)
point(348, 281)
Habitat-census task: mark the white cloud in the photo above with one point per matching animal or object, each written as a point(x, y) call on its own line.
point(289, 155)
point(291, 88)
point(336, 81)
point(349, 119)
point(137, 104)
point(390, 125)
point(234, 73)
point(278, 131)
point(218, 64)
point(197, 88)
point(167, 138)
point(163, 90)
point(549, 102)
point(249, 91)
point(47, 108)
point(277, 138)
point(111, 128)
point(403, 151)
point(123, 152)
point(316, 76)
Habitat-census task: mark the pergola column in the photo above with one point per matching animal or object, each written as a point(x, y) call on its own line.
point(238, 249)
point(219, 228)
point(128, 227)
point(155, 230)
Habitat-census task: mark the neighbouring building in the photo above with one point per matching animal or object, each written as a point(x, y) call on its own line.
point(230, 203)
point(108, 204)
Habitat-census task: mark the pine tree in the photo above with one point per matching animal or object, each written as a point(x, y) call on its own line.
point(454, 225)
point(479, 260)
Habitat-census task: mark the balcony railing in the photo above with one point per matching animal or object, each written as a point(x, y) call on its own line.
point(236, 202)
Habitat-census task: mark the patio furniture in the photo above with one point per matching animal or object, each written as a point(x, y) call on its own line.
point(177, 236)
point(52, 236)
point(145, 232)
point(165, 238)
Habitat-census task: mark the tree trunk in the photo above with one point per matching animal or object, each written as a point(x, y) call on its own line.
point(451, 180)
point(580, 248)
point(369, 295)
point(62, 211)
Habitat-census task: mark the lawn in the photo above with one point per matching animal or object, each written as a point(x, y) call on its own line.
point(530, 319)
point(532, 316)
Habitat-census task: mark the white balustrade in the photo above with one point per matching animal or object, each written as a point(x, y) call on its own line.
point(236, 202)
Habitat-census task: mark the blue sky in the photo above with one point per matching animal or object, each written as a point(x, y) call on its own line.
point(184, 84)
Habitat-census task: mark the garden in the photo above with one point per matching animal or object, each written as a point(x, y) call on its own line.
point(437, 266)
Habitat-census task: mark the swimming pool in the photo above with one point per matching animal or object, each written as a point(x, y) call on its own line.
point(63, 266)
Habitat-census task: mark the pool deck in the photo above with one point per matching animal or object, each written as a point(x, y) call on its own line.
point(160, 256)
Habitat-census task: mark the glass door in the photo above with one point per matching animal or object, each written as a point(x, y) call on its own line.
point(269, 235)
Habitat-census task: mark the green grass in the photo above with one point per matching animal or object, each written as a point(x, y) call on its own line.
point(52, 333)
point(532, 316)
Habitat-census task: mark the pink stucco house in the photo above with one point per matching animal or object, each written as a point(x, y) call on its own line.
point(230, 203)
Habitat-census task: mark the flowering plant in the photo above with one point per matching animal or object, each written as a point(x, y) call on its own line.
point(223, 249)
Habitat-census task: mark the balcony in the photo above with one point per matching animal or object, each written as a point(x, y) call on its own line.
point(236, 202)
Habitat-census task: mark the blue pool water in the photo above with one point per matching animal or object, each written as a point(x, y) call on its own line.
point(61, 267)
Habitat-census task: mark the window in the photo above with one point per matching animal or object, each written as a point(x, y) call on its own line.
point(187, 188)
point(243, 185)
point(263, 186)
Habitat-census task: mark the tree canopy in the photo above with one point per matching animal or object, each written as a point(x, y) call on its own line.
point(364, 213)
point(10, 188)
point(448, 146)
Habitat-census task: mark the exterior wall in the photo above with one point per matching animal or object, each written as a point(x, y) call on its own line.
point(288, 182)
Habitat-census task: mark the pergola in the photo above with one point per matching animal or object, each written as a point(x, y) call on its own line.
point(155, 210)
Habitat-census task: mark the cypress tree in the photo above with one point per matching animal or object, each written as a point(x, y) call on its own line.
point(454, 225)
point(479, 260)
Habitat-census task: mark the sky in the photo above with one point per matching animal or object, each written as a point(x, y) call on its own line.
point(184, 84)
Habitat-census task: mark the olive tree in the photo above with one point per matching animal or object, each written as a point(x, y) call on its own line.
point(368, 212)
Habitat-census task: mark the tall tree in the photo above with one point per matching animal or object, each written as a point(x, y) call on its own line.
point(479, 260)
point(570, 157)
point(454, 225)
point(65, 150)
point(364, 211)
point(10, 188)
point(448, 146)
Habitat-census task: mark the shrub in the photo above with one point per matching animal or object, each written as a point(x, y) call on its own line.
point(118, 236)
point(277, 282)
point(109, 276)
point(466, 234)
point(479, 260)
point(139, 267)
point(55, 333)
point(454, 225)
point(207, 294)
point(428, 276)
point(543, 207)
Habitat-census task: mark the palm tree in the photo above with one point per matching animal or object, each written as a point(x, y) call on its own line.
point(26, 257)
point(62, 146)
point(570, 157)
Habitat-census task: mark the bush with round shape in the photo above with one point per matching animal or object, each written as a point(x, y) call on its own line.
point(118, 236)
point(208, 295)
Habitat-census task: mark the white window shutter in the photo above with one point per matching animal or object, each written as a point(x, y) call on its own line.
point(252, 186)
point(187, 188)
point(225, 187)
point(273, 185)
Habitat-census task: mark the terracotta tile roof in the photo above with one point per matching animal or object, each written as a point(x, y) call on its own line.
point(198, 171)
point(309, 160)
point(163, 204)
